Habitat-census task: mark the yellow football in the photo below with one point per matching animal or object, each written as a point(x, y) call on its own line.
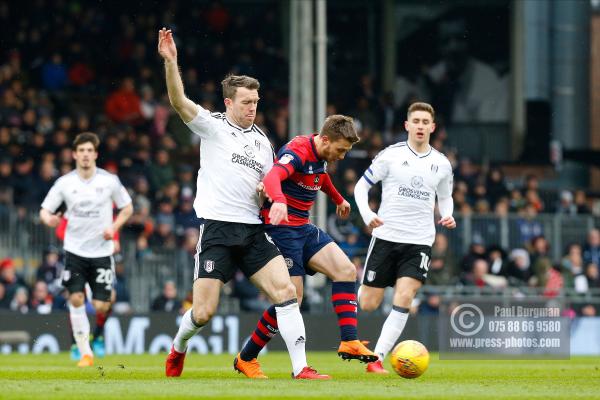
point(410, 359)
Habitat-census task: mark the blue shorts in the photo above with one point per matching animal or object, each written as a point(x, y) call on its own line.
point(298, 244)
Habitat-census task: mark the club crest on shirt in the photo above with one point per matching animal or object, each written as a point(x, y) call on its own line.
point(317, 178)
point(434, 168)
point(248, 150)
point(257, 144)
point(99, 190)
point(371, 276)
point(286, 159)
point(209, 266)
point(416, 182)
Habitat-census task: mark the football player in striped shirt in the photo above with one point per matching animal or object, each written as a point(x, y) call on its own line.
point(292, 186)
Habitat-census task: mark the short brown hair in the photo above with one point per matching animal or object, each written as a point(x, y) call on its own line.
point(339, 127)
point(232, 82)
point(86, 137)
point(419, 106)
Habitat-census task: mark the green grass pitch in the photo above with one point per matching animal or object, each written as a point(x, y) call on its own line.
point(142, 376)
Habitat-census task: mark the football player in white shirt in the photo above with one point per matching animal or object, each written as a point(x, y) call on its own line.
point(89, 193)
point(412, 175)
point(235, 155)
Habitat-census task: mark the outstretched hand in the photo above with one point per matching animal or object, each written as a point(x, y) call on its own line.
point(166, 45)
point(343, 210)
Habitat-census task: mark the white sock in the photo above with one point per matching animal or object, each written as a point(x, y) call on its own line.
point(291, 327)
point(391, 331)
point(81, 329)
point(187, 329)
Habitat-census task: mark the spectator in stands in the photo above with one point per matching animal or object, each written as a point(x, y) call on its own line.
point(124, 105)
point(496, 187)
point(532, 197)
point(566, 206)
point(519, 272)
point(439, 273)
point(185, 216)
point(351, 244)
point(20, 301)
point(517, 201)
point(164, 234)
point(528, 225)
point(41, 299)
point(9, 278)
point(591, 249)
point(593, 275)
point(25, 191)
point(581, 202)
point(161, 172)
point(467, 172)
point(54, 74)
point(541, 262)
point(573, 269)
point(478, 275)
point(168, 300)
point(496, 258)
point(476, 252)
point(51, 269)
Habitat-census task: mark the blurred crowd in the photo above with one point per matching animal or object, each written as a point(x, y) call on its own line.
point(54, 84)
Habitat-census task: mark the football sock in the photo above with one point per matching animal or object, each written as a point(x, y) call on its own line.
point(391, 331)
point(187, 328)
point(81, 329)
point(265, 330)
point(293, 333)
point(100, 321)
point(343, 297)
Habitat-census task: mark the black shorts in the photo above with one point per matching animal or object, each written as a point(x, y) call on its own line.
point(99, 273)
point(387, 261)
point(224, 247)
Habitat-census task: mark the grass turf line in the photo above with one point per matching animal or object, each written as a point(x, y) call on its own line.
point(212, 376)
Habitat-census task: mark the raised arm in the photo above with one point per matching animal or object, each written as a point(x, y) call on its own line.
point(186, 108)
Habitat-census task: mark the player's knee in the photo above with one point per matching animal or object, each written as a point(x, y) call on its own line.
point(407, 294)
point(345, 273)
point(284, 293)
point(368, 304)
point(202, 314)
point(76, 299)
point(102, 307)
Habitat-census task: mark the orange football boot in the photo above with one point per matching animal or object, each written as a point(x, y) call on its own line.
point(356, 350)
point(249, 368)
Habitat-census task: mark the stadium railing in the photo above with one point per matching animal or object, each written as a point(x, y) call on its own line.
point(24, 239)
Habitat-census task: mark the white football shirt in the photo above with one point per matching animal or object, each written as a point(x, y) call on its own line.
point(233, 161)
point(410, 184)
point(89, 210)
